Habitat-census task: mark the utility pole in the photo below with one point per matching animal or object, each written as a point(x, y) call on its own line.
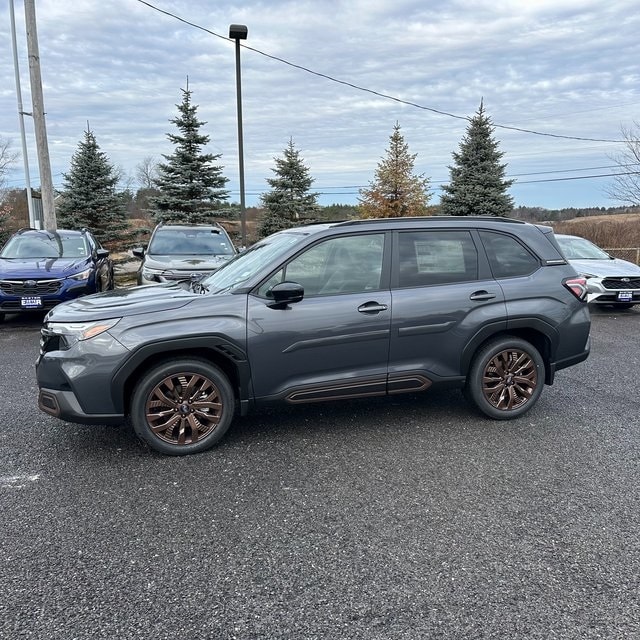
point(25, 158)
point(46, 181)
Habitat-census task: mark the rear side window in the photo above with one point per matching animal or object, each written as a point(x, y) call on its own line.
point(507, 257)
point(436, 257)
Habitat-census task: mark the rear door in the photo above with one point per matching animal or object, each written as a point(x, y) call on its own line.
point(444, 298)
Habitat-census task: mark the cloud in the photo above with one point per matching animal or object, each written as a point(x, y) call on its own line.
point(563, 67)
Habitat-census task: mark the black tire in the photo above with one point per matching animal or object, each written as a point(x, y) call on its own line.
point(111, 284)
point(1, 317)
point(182, 407)
point(506, 378)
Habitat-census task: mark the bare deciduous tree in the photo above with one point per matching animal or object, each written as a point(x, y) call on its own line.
point(147, 172)
point(7, 158)
point(626, 184)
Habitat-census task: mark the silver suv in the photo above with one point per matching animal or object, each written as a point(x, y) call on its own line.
point(183, 252)
point(325, 312)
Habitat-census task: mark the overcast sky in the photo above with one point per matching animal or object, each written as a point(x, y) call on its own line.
point(313, 72)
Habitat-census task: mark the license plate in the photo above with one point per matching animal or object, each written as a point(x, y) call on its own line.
point(31, 302)
point(625, 296)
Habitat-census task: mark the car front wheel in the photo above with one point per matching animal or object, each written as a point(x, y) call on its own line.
point(182, 407)
point(506, 378)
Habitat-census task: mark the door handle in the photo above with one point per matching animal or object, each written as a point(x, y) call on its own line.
point(482, 295)
point(372, 307)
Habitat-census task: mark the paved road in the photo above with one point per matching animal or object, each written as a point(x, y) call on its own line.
point(387, 519)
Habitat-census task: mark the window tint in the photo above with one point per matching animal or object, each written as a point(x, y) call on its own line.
point(350, 264)
point(436, 257)
point(507, 257)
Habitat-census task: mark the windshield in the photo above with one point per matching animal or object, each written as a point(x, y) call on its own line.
point(581, 249)
point(174, 242)
point(256, 260)
point(45, 245)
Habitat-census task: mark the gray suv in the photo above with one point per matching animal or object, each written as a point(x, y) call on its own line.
point(318, 313)
point(183, 252)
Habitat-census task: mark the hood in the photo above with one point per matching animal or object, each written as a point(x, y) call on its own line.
point(606, 268)
point(122, 302)
point(41, 268)
point(187, 263)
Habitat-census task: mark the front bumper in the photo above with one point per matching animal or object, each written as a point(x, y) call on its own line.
point(65, 405)
point(39, 301)
point(612, 291)
point(75, 383)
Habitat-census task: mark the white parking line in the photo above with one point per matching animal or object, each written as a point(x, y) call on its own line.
point(17, 482)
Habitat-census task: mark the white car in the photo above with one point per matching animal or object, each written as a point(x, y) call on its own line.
point(610, 281)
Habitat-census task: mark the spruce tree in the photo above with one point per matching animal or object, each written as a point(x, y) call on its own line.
point(396, 191)
point(191, 185)
point(478, 185)
point(89, 194)
point(289, 203)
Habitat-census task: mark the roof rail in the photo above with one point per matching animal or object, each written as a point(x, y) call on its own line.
point(459, 219)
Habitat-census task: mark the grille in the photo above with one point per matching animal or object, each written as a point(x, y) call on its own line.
point(177, 275)
point(29, 287)
point(617, 283)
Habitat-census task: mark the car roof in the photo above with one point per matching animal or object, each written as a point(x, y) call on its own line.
point(195, 225)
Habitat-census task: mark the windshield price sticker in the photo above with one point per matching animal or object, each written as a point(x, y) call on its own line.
point(31, 302)
point(625, 296)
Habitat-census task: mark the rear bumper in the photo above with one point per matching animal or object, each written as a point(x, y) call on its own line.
point(568, 362)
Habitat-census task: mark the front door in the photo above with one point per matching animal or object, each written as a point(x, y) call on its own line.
point(335, 342)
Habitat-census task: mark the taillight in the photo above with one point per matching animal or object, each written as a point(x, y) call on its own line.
point(577, 286)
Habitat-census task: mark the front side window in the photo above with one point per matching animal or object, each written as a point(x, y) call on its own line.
point(436, 257)
point(507, 257)
point(349, 264)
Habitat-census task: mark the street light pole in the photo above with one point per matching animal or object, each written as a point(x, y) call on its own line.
point(21, 113)
point(239, 32)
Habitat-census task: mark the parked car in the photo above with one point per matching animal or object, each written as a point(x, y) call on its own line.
point(610, 281)
point(182, 252)
point(39, 269)
point(323, 312)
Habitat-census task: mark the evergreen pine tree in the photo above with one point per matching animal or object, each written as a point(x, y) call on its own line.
point(289, 203)
point(192, 187)
point(89, 193)
point(396, 191)
point(478, 185)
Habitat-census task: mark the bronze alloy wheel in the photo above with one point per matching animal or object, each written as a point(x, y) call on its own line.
point(510, 379)
point(183, 408)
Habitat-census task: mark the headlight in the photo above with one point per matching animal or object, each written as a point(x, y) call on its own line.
point(83, 275)
point(150, 274)
point(76, 331)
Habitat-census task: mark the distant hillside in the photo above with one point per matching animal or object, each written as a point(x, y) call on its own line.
point(607, 231)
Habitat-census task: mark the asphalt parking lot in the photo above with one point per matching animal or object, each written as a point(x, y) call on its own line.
point(401, 518)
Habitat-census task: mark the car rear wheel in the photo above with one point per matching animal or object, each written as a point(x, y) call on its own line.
point(182, 407)
point(506, 378)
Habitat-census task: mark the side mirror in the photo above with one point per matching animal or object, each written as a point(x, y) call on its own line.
point(102, 253)
point(138, 252)
point(286, 293)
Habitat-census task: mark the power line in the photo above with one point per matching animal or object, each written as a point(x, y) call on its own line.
point(371, 91)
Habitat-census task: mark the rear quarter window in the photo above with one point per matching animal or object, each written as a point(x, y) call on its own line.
point(508, 257)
